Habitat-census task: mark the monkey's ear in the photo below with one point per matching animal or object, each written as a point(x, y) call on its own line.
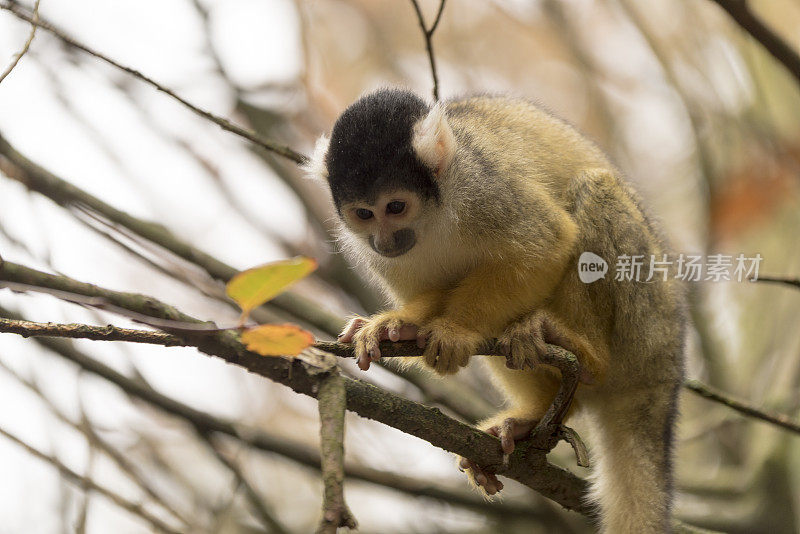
point(315, 167)
point(433, 140)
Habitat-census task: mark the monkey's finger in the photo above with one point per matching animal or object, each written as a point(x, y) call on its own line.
point(350, 330)
point(406, 332)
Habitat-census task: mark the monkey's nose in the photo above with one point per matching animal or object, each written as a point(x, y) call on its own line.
point(399, 243)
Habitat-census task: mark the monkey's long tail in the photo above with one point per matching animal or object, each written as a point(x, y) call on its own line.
point(632, 477)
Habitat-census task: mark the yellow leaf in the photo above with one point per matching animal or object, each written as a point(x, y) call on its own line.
point(253, 287)
point(277, 339)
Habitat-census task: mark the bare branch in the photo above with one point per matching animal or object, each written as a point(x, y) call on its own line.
point(36, 178)
point(18, 55)
point(332, 405)
point(223, 123)
point(740, 11)
point(91, 485)
point(715, 395)
point(428, 35)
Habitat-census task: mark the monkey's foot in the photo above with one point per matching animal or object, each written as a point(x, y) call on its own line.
point(509, 430)
point(524, 342)
point(366, 334)
point(448, 346)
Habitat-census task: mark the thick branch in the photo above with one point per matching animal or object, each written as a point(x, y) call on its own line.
point(740, 11)
point(223, 123)
point(527, 465)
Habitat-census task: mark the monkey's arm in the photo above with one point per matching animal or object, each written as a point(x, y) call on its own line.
point(485, 302)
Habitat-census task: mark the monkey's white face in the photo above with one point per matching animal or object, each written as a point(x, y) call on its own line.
point(390, 225)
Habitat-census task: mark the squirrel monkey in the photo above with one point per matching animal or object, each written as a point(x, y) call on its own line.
point(472, 214)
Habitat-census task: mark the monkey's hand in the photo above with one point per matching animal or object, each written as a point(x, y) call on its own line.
point(509, 430)
point(448, 346)
point(367, 333)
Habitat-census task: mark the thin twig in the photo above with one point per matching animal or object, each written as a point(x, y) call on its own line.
point(740, 11)
point(794, 282)
point(428, 35)
point(715, 395)
point(223, 123)
point(18, 55)
point(134, 508)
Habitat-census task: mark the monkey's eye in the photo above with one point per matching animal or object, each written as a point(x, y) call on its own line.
point(395, 207)
point(363, 213)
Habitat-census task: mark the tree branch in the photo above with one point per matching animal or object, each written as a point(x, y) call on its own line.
point(297, 452)
point(428, 35)
point(223, 123)
point(527, 465)
point(740, 11)
point(18, 55)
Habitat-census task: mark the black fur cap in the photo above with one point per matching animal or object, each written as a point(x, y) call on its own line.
point(370, 149)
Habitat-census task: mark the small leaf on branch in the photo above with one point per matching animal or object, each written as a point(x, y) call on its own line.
point(253, 287)
point(277, 339)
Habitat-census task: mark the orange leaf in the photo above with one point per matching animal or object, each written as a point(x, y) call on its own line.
point(277, 339)
point(253, 287)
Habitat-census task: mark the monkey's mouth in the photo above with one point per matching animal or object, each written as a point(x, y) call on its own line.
point(404, 240)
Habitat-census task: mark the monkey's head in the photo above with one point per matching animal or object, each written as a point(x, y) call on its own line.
point(384, 162)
